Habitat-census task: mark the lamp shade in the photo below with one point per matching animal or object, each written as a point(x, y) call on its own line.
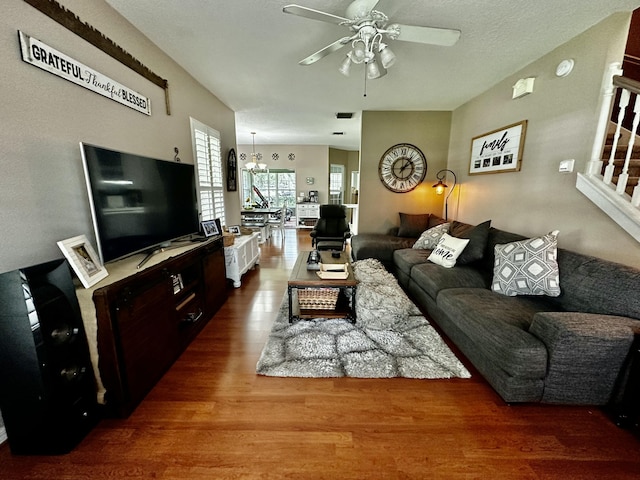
point(373, 71)
point(345, 66)
point(387, 57)
point(440, 187)
point(358, 52)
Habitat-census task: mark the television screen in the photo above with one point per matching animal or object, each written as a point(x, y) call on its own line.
point(138, 203)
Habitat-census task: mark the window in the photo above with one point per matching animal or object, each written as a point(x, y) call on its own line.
point(210, 181)
point(278, 187)
point(336, 184)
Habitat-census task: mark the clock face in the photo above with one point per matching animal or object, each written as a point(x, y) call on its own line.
point(402, 168)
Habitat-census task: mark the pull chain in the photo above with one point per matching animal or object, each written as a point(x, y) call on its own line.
point(365, 81)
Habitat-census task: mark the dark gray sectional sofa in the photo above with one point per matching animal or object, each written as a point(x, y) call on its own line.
point(568, 349)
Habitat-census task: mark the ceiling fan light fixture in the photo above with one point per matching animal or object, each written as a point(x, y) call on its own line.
point(345, 66)
point(387, 57)
point(368, 28)
point(358, 53)
point(373, 70)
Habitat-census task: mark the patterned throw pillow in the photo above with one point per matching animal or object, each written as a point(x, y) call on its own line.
point(429, 239)
point(448, 250)
point(527, 267)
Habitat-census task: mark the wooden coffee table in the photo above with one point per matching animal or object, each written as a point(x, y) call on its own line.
point(301, 278)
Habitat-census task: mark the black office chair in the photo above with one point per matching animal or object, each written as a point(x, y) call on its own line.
point(332, 229)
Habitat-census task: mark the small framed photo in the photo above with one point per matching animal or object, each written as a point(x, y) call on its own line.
point(234, 229)
point(210, 228)
point(83, 259)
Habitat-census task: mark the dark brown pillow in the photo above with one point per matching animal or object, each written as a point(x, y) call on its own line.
point(412, 225)
point(435, 220)
point(478, 237)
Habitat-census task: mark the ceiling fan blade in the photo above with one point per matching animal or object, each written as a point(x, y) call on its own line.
point(337, 45)
point(313, 14)
point(434, 36)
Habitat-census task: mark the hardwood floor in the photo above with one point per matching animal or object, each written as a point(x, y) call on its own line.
point(212, 417)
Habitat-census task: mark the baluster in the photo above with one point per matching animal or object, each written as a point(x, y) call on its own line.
point(624, 102)
point(594, 167)
point(624, 176)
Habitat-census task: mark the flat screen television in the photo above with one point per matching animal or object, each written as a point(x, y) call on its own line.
point(138, 204)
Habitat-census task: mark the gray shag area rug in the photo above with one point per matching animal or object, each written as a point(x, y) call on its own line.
point(408, 346)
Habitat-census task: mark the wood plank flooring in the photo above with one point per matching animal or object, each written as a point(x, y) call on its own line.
point(212, 417)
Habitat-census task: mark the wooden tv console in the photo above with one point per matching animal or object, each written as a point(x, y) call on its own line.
point(147, 319)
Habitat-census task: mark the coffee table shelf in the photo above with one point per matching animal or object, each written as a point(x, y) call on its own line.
point(301, 278)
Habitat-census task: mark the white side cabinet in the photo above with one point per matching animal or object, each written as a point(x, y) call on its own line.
point(308, 214)
point(241, 256)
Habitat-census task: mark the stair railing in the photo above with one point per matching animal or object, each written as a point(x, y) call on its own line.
point(629, 89)
point(599, 182)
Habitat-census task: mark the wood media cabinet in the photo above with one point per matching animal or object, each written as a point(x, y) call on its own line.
point(147, 319)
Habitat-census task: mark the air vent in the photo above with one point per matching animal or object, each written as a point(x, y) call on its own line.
point(346, 115)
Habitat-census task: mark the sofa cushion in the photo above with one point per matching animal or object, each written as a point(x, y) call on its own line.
point(586, 352)
point(594, 285)
point(433, 278)
point(405, 258)
point(375, 245)
point(527, 267)
point(429, 238)
point(412, 225)
point(478, 236)
point(448, 250)
point(499, 326)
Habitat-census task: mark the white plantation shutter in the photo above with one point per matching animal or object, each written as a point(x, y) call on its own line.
point(206, 147)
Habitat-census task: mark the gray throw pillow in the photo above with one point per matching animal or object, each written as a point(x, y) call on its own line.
point(478, 237)
point(527, 267)
point(412, 225)
point(429, 239)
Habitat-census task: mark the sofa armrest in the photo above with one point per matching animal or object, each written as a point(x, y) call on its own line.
point(585, 354)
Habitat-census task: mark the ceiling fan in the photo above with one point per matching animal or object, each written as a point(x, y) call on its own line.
point(369, 28)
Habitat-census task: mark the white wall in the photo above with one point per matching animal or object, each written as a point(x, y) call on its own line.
point(43, 197)
point(561, 114)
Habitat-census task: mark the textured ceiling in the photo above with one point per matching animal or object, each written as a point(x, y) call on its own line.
point(246, 52)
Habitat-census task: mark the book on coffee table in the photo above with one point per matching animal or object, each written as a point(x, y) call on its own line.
point(333, 271)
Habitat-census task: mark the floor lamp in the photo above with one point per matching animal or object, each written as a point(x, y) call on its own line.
point(440, 188)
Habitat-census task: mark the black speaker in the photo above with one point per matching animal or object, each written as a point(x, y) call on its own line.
point(47, 385)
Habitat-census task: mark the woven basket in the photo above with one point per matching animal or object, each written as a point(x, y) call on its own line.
point(245, 231)
point(228, 239)
point(318, 298)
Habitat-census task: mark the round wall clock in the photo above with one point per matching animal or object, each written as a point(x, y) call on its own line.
point(402, 168)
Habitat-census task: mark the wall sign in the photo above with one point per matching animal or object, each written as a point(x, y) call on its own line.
point(47, 58)
point(498, 151)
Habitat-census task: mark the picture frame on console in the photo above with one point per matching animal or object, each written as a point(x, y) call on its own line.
point(83, 259)
point(498, 151)
point(211, 228)
point(234, 229)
